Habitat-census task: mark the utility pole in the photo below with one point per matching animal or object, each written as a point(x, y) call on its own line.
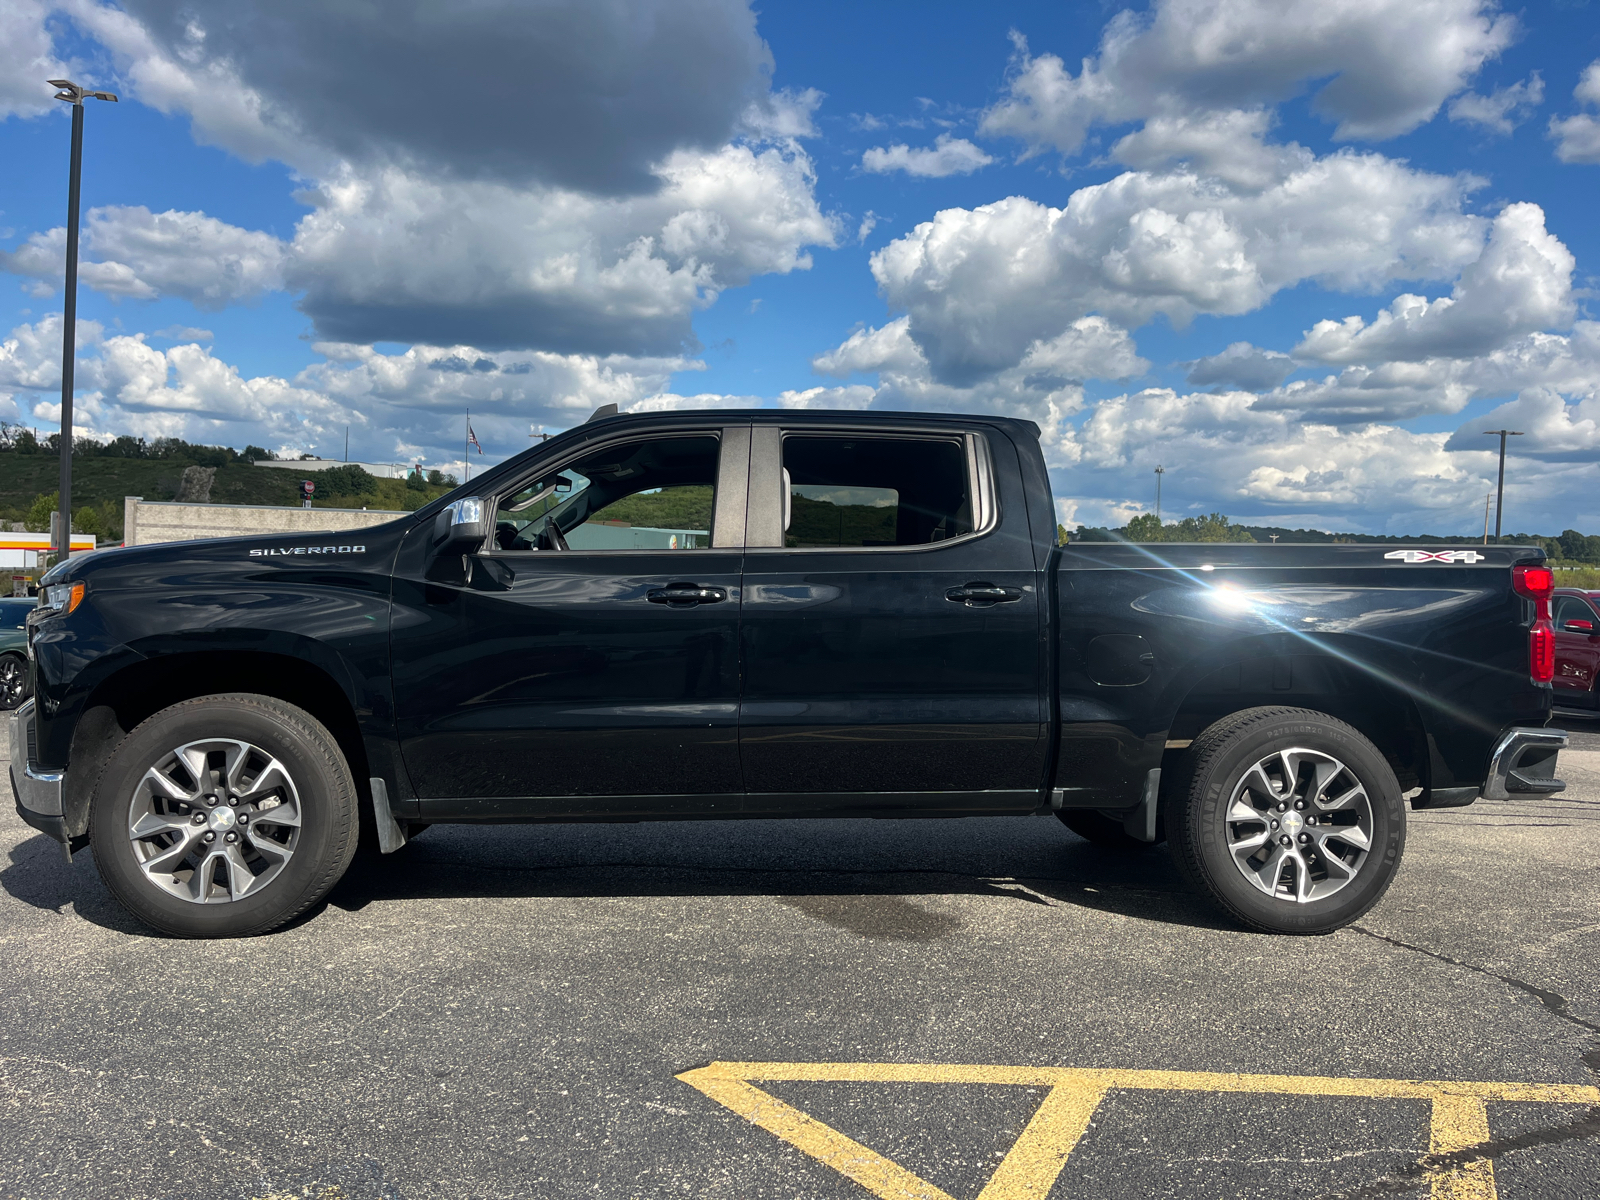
point(1160, 471)
point(75, 96)
point(1500, 489)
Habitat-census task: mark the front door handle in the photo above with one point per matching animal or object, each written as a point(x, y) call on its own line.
point(685, 595)
point(983, 595)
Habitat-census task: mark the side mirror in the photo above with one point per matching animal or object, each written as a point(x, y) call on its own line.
point(460, 526)
point(1577, 627)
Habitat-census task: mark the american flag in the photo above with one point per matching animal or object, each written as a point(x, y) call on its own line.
point(472, 439)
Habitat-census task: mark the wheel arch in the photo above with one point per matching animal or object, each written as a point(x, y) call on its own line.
point(1272, 672)
point(142, 687)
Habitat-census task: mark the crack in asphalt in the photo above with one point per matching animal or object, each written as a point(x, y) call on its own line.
point(1420, 1172)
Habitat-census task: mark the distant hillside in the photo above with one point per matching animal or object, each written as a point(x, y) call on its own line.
point(97, 480)
point(102, 483)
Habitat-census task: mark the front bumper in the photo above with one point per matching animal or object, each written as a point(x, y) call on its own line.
point(38, 792)
point(1524, 764)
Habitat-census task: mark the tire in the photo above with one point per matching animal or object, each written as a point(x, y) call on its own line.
point(1261, 773)
point(1100, 829)
point(272, 855)
point(15, 685)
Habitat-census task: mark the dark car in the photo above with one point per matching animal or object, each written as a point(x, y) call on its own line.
point(14, 673)
point(832, 614)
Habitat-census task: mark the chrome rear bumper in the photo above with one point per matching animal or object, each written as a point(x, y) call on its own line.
point(1524, 764)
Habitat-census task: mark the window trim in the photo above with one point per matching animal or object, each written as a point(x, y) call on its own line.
point(733, 459)
point(764, 528)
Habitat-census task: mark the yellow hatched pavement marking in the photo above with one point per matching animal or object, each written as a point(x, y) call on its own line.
point(1460, 1117)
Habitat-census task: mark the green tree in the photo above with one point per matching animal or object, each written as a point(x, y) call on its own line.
point(347, 480)
point(38, 518)
point(416, 481)
point(1146, 527)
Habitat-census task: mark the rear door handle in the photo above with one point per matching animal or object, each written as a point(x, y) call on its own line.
point(983, 595)
point(685, 595)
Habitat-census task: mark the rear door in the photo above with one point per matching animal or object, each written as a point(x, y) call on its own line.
point(891, 624)
point(586, 661)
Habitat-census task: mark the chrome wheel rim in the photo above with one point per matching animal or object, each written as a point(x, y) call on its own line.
point(1299, 825)
point(214, 821)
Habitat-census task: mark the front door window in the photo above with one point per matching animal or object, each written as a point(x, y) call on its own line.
point(653, 494)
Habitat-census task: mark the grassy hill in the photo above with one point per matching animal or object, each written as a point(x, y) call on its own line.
point(102, 483)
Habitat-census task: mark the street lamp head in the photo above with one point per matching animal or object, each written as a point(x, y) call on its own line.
point(73, 94)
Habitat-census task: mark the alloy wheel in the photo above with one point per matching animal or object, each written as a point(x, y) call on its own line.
point(214, 821)
point(1299, 825)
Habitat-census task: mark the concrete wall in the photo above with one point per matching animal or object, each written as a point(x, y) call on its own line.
point(148, 521)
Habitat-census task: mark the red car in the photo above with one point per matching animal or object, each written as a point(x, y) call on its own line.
point(1577, 647)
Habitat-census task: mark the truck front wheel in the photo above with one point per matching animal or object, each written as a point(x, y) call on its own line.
point(1289, 819)
point(223, 816)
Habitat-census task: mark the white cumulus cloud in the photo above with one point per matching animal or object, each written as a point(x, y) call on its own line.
point(1503, 109)
point(981, 285)
point(28, 58)
point(1520, 283)
point(948, 156)
point(1390, 64)
point(134, 253)
point(1578, 137)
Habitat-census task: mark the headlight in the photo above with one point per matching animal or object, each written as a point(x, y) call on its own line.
point(62, 597)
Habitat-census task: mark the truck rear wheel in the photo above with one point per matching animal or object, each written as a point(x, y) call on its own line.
point(223, 816)
point(1289, 819)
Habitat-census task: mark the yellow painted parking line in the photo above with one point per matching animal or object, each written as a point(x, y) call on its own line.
point(1460, 1116)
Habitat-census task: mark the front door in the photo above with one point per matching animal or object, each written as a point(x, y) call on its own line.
point(891, 635)
point(585, 662)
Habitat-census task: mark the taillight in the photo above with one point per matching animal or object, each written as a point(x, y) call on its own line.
point(1537, 584)
point(1542, 652)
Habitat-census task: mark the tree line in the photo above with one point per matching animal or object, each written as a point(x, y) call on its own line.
point(1570, 546)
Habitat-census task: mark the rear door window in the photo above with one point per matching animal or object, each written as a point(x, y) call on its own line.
point(874, 491)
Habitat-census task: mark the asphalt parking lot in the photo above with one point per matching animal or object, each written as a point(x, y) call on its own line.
point(981, 1008)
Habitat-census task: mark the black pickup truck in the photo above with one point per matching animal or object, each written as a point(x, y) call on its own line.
point(821, 614)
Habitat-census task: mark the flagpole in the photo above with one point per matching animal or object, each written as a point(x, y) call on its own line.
point(466, 460)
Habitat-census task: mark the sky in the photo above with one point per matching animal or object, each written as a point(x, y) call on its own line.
point(1298, 253)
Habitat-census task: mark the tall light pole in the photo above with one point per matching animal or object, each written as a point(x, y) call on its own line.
point(75, 96)
point(1160, 471)
point(1500, 489)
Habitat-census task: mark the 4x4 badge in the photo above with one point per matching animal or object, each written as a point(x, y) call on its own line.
point(1421, 556)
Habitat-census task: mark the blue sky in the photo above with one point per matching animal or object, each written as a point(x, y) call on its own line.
point(1299, 253)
